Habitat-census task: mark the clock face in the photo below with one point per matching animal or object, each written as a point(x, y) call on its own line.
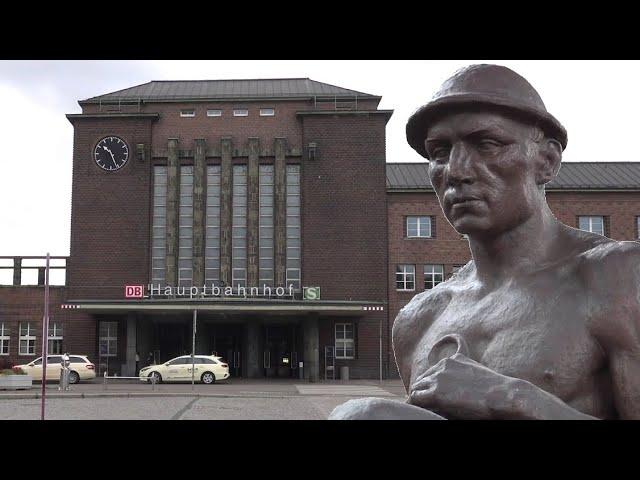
point(111, 153)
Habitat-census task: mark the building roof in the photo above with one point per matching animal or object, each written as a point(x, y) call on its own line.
point(183, 90)
point(572, 176)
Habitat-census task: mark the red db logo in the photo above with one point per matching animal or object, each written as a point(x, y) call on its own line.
point(133, 291)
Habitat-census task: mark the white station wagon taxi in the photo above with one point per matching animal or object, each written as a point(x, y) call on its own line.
point(208, 369)
point(79, 365)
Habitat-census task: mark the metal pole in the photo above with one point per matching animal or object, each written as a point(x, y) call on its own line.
point(193, 350)
point(45, 334)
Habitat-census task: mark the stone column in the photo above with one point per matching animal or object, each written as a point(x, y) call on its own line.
point(252, 351)
point(280, 217)
point(311, 342)
point(173, 196)
point(129, 369)
point(226, 211)
point(199, 211)
point(253, 210)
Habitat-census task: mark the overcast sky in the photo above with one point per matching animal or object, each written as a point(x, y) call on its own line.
point(597, 102)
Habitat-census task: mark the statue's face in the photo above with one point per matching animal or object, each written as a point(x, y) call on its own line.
point(481, 165)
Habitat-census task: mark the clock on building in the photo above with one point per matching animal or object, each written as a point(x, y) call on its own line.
point(111, 153)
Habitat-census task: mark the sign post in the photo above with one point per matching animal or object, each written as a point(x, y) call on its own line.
point(45, 335)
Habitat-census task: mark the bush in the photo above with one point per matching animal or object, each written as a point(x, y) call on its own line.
point(7, 371)
point(18, 371)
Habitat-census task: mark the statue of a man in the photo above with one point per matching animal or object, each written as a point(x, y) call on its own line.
point(544, 322)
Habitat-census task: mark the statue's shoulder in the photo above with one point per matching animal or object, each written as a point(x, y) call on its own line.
point(608, 263)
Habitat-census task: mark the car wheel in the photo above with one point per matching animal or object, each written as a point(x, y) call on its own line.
point(208, 378)
point(74, 377)
point(157, 376)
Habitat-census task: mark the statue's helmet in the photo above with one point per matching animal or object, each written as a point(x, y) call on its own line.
point(489, 86)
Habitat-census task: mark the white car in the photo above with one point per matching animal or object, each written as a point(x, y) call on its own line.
point(208, 369)
point(80, 368)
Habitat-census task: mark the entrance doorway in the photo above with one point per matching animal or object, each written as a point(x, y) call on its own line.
point(226, 342)
point(280, 351)
point(173, 340)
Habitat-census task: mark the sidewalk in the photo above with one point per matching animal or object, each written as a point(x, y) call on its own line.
point(236, 387)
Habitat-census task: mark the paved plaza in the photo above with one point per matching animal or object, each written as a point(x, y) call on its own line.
point(237, 400)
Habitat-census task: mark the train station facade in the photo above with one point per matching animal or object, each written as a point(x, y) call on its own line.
point(265, 214)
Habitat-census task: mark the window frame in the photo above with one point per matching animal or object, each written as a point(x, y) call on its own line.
point(404, 273)
point(209, 112)
point(344, 340)
point(433, 273)
point(272, 114)
point(187, 113)
point(418, 226)
point(590, 218)
point(237, 112)
point(108, 338)
point(5, 339)
point(55, 337)
point(28, 338)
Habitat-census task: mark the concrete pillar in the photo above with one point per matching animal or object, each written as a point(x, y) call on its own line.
point(311, 342)
point(253, 357)
point(173, 196)
point(129, 369)
point(199, 210)
point(253, 211)
point(226, 211)
point(17, 270)
point(280, 217)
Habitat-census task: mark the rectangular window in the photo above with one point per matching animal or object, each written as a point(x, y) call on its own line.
point(239, 227)
point(267, 112)
point(345, 344)
point(405, 277)
point(266, 255)
point(433, 275)
point(108, 343)
point(214, 113)
point(418, 227)
point(187, 113)
point(455, 269)
point(293, 227)
point(159, 229)
point(55, 338)
point(27, 344)
point(638, 228)
point(185, 228)
point(240, 112)
point(212, 233)
point(4, 339)
point(593, 224)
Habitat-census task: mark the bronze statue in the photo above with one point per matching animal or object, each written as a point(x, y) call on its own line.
point(544, 322)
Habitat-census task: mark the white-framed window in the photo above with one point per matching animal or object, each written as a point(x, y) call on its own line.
point(240, 112)
point(239, 201)
point(187, 113)
point(418, 227)
point(185, 227)
point(455, 269)
point(638, 227)
point(593, 224)
point(214, 113)
point(267, 112)
point(159, 226)
point(27, 340)
point(293, 247)
point(4, 339)
point(108, 343)
point(55, 338)
point(405, 277)
point(433, 275)
point(345, 343)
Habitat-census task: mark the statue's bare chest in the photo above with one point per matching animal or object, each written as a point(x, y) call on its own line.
point(536, 334)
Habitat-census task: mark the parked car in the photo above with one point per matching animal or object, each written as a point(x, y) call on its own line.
point(81, 368)
point(208, 369)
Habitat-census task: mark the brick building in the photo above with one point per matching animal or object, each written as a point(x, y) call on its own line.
point(267, 207)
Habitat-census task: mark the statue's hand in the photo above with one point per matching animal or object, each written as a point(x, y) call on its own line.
point(460, 388)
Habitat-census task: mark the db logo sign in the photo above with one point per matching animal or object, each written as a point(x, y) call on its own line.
point(133, 291)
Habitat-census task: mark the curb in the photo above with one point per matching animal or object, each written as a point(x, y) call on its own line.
point(23, 396)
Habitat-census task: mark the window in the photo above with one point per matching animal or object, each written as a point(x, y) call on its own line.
point(4, 339)
point(212, 227)
point(455, 269)
point(159, 226)
point(185, 228)
point(239, 227)
point(638, 228)
point(179, 361)
point(187, 113)
point(55, 338)
point(344, 340)
point(77, 360)
point(266, 248)
point(433, 275)
point(267, 112)
point(405, 277)
point(592, 224)
point(293, 227)
point(27, 344)
point(108, 339)
point(214, 113)
point(418, 227)
point(240, 112)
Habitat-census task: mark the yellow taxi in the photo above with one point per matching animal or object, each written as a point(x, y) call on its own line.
point(208, 369)
point(80, 368)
